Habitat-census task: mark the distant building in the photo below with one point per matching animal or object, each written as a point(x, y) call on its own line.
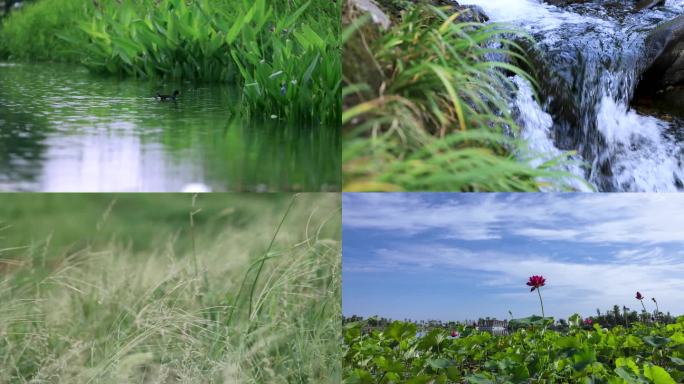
point(492, 325)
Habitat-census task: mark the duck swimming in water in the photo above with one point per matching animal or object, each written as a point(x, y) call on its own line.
point(168, 97)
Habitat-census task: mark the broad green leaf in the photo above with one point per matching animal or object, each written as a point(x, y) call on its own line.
point(658, 374)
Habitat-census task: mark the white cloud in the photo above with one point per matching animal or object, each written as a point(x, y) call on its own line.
point(572, 286)
point(547, 234)
point(586, 218)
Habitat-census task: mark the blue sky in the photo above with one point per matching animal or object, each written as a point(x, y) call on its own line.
point(463, 256)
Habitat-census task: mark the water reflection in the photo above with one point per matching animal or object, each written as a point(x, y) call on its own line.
point(21, 149)
point(62, 129)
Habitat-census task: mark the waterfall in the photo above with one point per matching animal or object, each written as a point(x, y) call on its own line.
point(587, 60)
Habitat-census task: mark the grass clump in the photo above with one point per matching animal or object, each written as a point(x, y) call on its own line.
point(426, 107)
point(32, 33)
point(258, 302)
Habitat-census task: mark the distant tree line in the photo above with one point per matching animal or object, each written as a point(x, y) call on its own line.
point(625, 316)
point(616, 316)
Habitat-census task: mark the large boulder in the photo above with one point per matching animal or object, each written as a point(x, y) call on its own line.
point(648, 4)
point(661, 88)
point(665, 51)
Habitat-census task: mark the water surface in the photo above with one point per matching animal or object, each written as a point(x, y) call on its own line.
point(63, 129)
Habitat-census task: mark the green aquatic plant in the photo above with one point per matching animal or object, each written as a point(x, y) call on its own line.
point(285, 55)
point(640, 297)
point(286, 68)
point(643, 353)
point(425, 108)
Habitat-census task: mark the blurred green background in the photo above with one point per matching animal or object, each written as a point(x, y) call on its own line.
point(144, 222)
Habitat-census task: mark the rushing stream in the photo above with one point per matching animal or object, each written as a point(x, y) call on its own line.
point(62, 129)
point(589, 64)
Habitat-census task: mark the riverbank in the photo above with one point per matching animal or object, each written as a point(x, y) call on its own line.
point(596, 95)
point(285, 56)
point(426, 103)
point(595, 63)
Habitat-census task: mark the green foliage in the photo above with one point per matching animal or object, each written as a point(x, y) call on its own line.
point(145, 222)
point(429, 111)
point(32, 32)
point(286, 67)
point(284, 54)
point(109, 312)
point(532, 321)
point(639, 354)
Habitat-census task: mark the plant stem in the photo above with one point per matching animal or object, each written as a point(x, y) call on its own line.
point(270, 245)
point(541, 301)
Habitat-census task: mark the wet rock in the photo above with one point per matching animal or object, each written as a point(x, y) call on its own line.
point(662, 82)
point(648, 4)
point(665, 51)
point(565, 2)
point(473, 14)
point(369, 6)
point(638, 6)
point(469, 13)
point(663, 104)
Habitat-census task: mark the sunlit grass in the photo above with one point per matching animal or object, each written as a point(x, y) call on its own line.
point(258, 302)
point(429, 111)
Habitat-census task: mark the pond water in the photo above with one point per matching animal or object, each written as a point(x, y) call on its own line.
point(63, 129)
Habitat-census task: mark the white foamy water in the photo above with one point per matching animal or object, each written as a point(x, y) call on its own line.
point(593, 50)
point(536, 127)
point(538, 16)
point(641, 152)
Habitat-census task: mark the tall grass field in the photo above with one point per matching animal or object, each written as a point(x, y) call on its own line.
point(284, 54)
point(170, 288)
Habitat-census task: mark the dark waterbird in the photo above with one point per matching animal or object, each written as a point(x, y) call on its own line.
point(168, 97)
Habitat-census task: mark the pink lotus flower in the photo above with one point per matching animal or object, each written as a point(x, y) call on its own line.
point(536, 282)
point(588, 321)
point(454, 334)
point(641, 298)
